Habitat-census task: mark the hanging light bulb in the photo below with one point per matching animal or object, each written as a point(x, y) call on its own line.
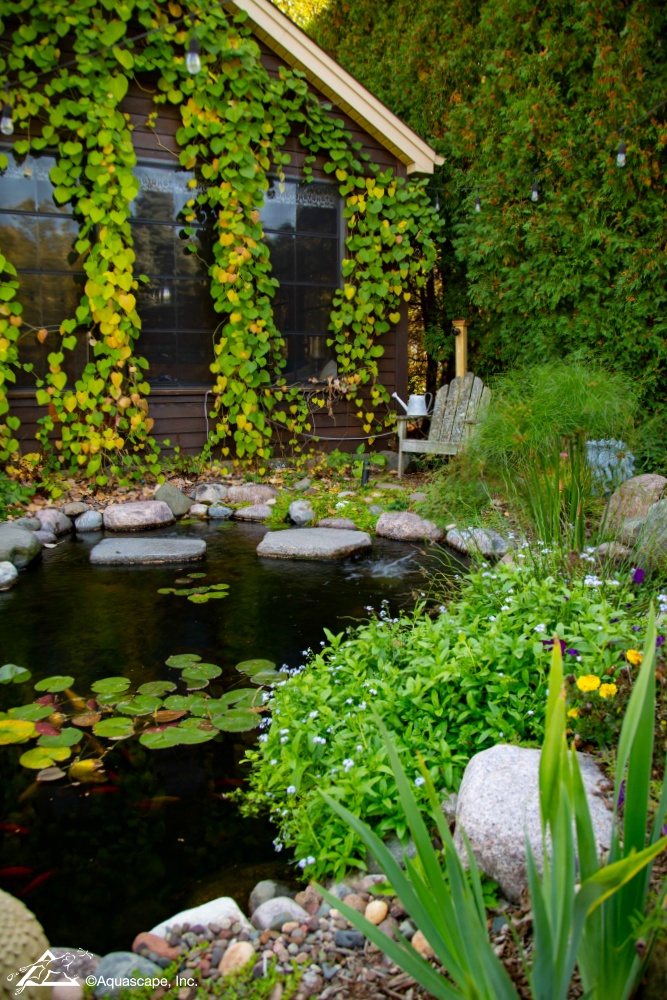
point(534, 194)
point(437, 202)
point(192, 59)
point(620, 156)
point(478, 203)
point(6, 123)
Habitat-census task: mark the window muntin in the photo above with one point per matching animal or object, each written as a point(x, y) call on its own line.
point(37, 236)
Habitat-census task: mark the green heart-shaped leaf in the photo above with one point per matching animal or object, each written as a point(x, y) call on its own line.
point(66, 738)
point(56, 683)
point(141, 704)
point(111, 685)
point(182, 660)
point(236, 720)
point(157, 688)
point(114, 728)
point(10, 673)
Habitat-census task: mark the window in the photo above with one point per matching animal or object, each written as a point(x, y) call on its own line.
point(37, 236)
point(177, 315)
point(302, 227)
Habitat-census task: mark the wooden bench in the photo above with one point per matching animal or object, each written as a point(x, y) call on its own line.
point(458, 407)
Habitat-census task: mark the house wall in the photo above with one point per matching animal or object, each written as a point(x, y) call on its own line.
point(180, 414)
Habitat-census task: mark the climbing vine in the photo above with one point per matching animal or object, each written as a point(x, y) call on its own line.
point(236, 119)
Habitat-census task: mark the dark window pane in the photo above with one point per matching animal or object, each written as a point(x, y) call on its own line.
point(154, 248)
point(156, 306)
point(306, 356)
point(317, 260)
point(60, 295)
point(29, 295)
point(18, 239)
point(156, 195)
point(17, 187)
point(281, 251)
point(283, 309)
point(189, 264)
point(279, 210)
point(317, 208)
point(56, 243)
point(41, 167)
point(194, 307)
point(313, 306)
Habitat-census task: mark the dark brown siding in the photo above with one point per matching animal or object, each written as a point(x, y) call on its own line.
point(179, 414)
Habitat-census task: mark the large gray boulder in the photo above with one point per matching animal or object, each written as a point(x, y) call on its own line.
point(137, 516)
point(212, 912)
point(633, 498)
point(175, 499)
point(313, 543)
point(146, 551)
point(251, 493)
point(8, 575)
point(499, 806)
point(210, 493)
point(256, 512)
point(53, 519)
point(651, 546)
point(90, 520)
point(18, 545)
point(300, 512)
point(404, 526)
point(477, 541)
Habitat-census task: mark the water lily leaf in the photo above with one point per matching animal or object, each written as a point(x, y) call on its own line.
point(46, 729)
point(32, 713)
point(241, 698)
point(50, 774)
point(65, 738)
point(111, 685)
point(193, 736)
point(88, 771)
point(56, 683)
point(268, 677)
point(179, 702)
point(195, 576)
point(175, 736)
point(194, 723)
point(236, 720)
point(201, 671)
point(219, 586)
point(159, 740)
point(166, 590)
point(156, 688)
point(183, 660)
point(111, 699)
point(252, 667)
point(15, 731)
point(114, 728)
point(10, 673)
point(89, 719)
point(141, 704)
point(40, 757)
point(169, 715)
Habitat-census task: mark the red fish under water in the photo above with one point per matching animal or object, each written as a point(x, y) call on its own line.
point(37, 881)
point(17, 871)
point(21, 831)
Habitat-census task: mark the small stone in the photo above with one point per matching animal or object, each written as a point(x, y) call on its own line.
point(74, 508)
point(67, 991)
point(417, 497)
point(349, 939)
point(309, 898)
point(407, 929)
point(217, 512)
point(30, 523)
point(290, 926)
point(156, 944)
point(340, 890)
point(18, 545)
point(8, 575)
point(278, 911)
point(53, 519)
point(256, 512)
point(356, 902)
point(209, 493)
point(407, 527)
point(90, 520)
point(253, 493)
point(302, 485)
point(198, 510)
point(174, 498)
point(375, 508)
point(300, 512)
point(342, 523)
point(46, 537)
point(376, 911)
point(388, 927)
point(421, 945)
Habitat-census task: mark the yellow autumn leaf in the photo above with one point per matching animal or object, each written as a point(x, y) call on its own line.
point(349, 291)
point(87, 771)
point(127, 301)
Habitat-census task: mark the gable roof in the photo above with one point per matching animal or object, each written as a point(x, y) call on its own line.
point(292, 45)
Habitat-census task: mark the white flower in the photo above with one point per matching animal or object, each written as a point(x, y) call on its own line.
point(263, 738)
point(313, 715)
point(530, 712)
point(278, 845)
point(540, 628)
point(505, 607)
point(274, 762)
point(359, 748)
point(349, 701)
point(348, 763)
point(362, 705)
point(501, 734)
point(283, 739)
point(283, 732)
point(372, 690)
point(302, 863)
point(419, 781)
point(318, 739)
point(500, 673)
point(492, 618)
point(291, 789)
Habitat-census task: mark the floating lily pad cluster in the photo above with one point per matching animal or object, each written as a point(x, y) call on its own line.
point(161, 713)
point(198, 595)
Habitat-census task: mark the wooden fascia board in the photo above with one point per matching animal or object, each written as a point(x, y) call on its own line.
point(291, 44)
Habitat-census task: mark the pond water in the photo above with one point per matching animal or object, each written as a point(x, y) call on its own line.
point(97, 864)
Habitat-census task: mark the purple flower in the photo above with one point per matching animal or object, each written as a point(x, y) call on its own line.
point(572, 652)
point(637, 575)
point(636, 628)
point(612, 621)
point(629, 604)
point(659, 640)
point(621, 795)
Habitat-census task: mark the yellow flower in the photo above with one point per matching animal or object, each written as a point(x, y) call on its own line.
point(634, 657)
point(573, 713)
point(589, 682)
point(607, 690)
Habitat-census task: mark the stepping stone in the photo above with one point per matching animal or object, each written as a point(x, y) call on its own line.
point(144, 551)
point(258, 512)
point(137, 515)
point(404, 526)
point(313, 543)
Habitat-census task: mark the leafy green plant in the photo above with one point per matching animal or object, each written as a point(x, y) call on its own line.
point(13, 494)
point(568, 905)
point(446, 685)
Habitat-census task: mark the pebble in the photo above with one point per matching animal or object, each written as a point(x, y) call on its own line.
point(236, 956)
point(376, 911)
point(421, 945)
point(349, 939)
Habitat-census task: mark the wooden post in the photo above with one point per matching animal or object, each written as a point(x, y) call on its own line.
point(461, 356)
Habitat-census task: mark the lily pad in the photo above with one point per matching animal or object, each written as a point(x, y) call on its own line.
point(40, 757)
point(141, 704)
point(157, 688)
point(201, 671)
point(32, 713)
point(252, 667)
point(50, 774)
point(241, 698)
point(236, 720)
point(194, 723)
point(175, 736)
point(182, 660)
point(269, 677)
point(203, 598)
point(169, 715)
point(10, 673)
point(89, 719)
point(56, 683)
point(66, 738)
point(196, 576)
point(15, 731)
point(114, 728)
point(89, 772)
point(111, 685)
point(179, 702)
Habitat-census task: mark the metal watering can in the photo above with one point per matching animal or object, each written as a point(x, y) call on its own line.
point(417, 405)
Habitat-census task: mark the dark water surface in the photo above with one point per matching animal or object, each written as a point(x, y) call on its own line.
point(97, 864)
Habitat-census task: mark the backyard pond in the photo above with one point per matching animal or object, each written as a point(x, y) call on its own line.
point(98, 863)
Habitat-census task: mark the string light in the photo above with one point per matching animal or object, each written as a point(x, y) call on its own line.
point(192, 59)
point(534, 194)
point(6, 123)
point(620, 156)
point(478, 203)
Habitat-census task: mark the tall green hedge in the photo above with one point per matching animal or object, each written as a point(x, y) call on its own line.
point(507, 90)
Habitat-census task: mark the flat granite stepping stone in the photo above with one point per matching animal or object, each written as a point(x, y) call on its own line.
point(144, 551)
point(313, 543)
point(137, 515)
